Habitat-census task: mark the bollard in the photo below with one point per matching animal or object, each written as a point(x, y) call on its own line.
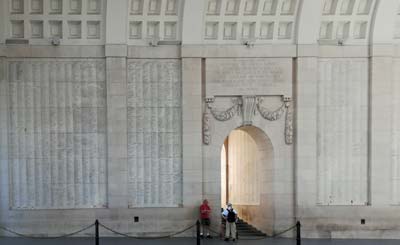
point(298, 231)
point(96, 223)
point(198, 232)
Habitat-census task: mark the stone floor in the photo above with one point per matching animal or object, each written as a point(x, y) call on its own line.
point(188, 241)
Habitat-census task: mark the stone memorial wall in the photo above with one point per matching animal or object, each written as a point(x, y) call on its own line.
point(342, 128)
point(57, 133)
point(154, 133)
point(117, 110)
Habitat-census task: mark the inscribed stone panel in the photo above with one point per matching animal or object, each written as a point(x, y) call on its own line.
point(57, 136)
point(154, 133)
point(255, 76)
point(342, 141)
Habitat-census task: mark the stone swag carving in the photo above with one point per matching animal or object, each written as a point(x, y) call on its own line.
point(247, 106)
point(270, 115)
point(227, 114)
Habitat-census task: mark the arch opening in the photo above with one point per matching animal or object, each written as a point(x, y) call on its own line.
point(246, 176)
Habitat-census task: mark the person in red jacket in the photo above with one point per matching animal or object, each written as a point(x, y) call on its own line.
point(205, 211)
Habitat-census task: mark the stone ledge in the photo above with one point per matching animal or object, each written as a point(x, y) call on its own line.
point(236, 51)
point(20, 51)
point(116, 50)
point(157, 52)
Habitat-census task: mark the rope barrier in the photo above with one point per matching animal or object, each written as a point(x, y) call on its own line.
point(150, 237)
point(45, 237)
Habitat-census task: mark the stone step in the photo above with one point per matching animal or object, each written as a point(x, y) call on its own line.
point(246, 230)
point(242, 234)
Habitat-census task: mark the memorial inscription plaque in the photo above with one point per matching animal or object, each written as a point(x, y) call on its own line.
point(57, 133)
point(154, 133)
point(245, 76)
point(342, 124)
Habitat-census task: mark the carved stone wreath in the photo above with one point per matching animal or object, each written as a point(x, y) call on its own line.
point(247, 106)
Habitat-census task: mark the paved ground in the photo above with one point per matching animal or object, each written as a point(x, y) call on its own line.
point(189, 241)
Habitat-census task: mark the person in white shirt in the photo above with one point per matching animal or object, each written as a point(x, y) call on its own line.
point(230, 215)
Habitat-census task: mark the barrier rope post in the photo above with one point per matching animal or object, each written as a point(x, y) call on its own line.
point(298, 231)
point(198, 232)
point(96, 223)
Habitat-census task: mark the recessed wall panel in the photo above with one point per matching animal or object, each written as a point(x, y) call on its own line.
point(154, 133)
point(57, 134)
point(342, 141)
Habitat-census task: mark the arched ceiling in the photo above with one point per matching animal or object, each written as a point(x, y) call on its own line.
point(324, 22)
point(258, 21)
point(209, 22)
point(346, 21)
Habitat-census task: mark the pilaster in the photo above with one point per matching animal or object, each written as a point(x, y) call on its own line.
point(192, 131)
point(116, 52)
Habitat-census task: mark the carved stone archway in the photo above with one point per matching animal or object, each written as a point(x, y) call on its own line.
point(217, 125)
point(250, 155)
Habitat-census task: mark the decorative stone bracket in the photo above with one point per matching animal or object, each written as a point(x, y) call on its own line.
point(247, 107)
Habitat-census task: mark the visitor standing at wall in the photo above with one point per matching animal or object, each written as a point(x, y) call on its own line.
point(205, 211)
point(230, 216)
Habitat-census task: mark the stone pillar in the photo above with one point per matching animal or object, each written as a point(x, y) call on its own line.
point(116, 52)
point(192, 22)
point(117, 132)
point(3, 21)
point(192, 131)
point(4, 197)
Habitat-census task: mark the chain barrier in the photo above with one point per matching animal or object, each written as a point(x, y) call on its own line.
point(152, 237)
point(44, 237)
point(138, 237)
point(284, 231)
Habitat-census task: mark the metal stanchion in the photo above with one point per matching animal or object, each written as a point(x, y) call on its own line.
point(96, 223)
point(298, 231)
point(198, 232)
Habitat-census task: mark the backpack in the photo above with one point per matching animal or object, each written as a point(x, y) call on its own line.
point(231, 217)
